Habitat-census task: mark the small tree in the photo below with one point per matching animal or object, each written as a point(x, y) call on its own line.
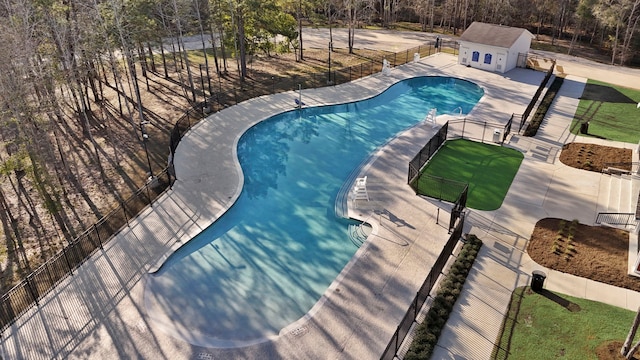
point(626, 351)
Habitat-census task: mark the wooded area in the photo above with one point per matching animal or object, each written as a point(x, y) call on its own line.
point(79, 79)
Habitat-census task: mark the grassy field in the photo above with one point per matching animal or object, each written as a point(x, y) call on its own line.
point(542, 326)
point(489, 170)
point(611, 111)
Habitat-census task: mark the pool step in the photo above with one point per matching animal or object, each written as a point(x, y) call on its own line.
point(358, 233)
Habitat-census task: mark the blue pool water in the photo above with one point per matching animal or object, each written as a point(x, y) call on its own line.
point(267, 260)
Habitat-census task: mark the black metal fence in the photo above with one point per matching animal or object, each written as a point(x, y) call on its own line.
point(439, 188)
point(447, 189)
point(458, 208)
point(186, 122)
point(423, 156)
point(421, 297)
point(219, 97)
point(507, 128)
point(477, 130)
point(535, 98)
point(429, 48)
point(29, 291)
point(218, 100)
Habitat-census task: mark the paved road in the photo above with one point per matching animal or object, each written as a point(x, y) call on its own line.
point(392, 40)
point(389, 40)
point(573, 65)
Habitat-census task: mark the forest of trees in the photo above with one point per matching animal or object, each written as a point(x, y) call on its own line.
point(64, 139)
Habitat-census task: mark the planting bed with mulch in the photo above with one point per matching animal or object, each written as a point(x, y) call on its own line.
point(595, 252)
point(592, 157)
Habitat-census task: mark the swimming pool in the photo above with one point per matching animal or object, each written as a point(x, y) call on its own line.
point(270, 257)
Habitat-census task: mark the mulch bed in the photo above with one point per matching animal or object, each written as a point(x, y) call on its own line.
point(595, 252)
point(593, 157)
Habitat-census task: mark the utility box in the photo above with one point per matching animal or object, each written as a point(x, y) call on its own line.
point(416, 57)
point(496, 135)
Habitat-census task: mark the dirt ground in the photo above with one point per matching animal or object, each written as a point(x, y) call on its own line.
point(593, 157)
point(595, 252)
point(611, 351)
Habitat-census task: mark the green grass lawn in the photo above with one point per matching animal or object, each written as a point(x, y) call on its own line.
point(611, 111)
point(545, 329)
point(489, 170)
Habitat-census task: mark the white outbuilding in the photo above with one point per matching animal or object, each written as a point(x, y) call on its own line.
point(494, 47)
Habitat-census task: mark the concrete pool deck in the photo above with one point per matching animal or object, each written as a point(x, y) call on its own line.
point(99, 312)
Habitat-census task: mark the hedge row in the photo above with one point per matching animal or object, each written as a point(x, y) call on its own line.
point(541, 112)
point(427, 333)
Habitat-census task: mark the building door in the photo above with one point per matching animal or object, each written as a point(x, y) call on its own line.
point(464, 55)
point(501, 62)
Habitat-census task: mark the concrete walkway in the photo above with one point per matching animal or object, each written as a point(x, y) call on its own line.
point(543, 187)
point(100, 312)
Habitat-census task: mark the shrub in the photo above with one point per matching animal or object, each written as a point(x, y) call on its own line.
point(456, 268)
point(427, 333)
point(541, 112)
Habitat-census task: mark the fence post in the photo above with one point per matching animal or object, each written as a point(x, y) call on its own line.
point(66, 258)
point(149, 195)
point(51, 282)
point(464, 123)
point(32, 290)
point(124, 210)
point(484, 129)
point(95, 228)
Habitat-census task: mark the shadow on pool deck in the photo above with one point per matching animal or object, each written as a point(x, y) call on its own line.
point(99, 312)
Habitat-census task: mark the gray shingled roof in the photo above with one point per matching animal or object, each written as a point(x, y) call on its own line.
point(491, 34)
